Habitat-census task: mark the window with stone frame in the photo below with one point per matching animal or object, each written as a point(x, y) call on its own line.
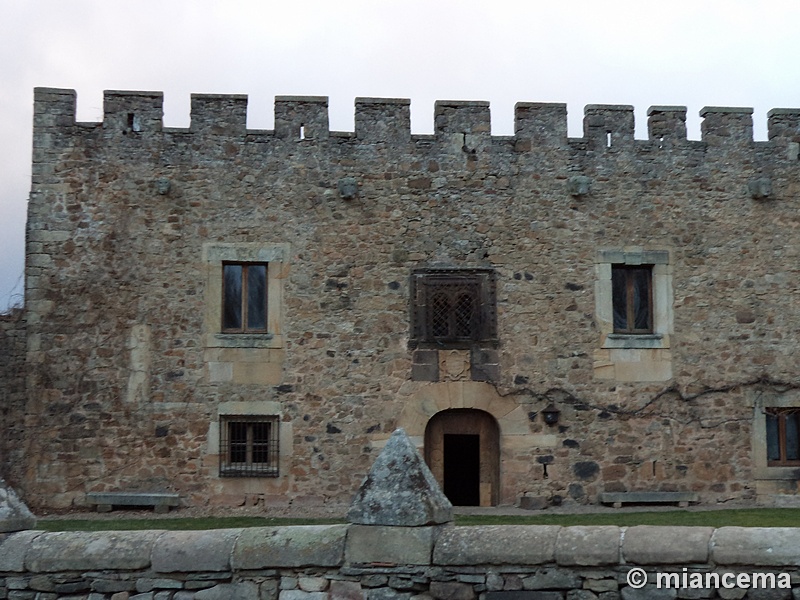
point(244, 297)
point(453, 308)
point(783, 436)
point(248, 446)
point(632, 298)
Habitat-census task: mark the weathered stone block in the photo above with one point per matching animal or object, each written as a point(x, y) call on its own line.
point(451, 590)
point(397, 545)
point(300, 546)
point(345, 590)
point(400, 489)
point(187, 551)
point(760, 546)
point(301, 595)
point(13, 549)
point(649, 592)
point(527, 595)
point(588, 546)
point(649, 545)
point(14, 515)
point(496, 545)
point(245, 590)
point(85, 551)
point(312, 584)
point(552, 579)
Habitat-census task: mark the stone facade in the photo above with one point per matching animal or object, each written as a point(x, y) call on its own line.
point(132, 381)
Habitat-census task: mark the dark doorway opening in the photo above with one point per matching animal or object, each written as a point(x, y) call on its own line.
point(462, 469)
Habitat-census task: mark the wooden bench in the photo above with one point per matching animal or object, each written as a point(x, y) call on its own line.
point(160, 501)
point(620, 498)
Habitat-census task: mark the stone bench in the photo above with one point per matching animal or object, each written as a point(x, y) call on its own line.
point(620, 498)
point(160, 501)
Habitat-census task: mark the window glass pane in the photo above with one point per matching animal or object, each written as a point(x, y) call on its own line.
point(232, 299)
point(773, 444)
point(619, 299)
point(257, 297)
point(463, 315)
point(792, 437)
point(641, 297)
point(261, 437)
point(440, 315)
point(237, 435)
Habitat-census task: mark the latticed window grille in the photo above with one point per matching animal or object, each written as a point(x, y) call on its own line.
point(453, 307)
point(783, 436)
point(248, 446)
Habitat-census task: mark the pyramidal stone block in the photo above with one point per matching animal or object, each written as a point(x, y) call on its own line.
point(14, 515)
point(400, 490)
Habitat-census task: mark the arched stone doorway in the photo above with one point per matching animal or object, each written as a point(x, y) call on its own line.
point(462, 449)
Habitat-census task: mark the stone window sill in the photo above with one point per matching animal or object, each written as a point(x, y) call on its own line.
point(243, 340)
point(785, 473)
point(632, 341)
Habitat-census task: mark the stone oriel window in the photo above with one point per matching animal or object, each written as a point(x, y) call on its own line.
point(453, 308)
point(244, 298)
point(783, 436)
point(632, 298)
point(248, 446)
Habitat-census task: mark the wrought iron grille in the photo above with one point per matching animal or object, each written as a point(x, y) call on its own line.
point(453, 307)
point(248, 446)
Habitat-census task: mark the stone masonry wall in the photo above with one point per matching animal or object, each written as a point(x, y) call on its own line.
point(12, 389)
point(129, 222)
point(341, 562)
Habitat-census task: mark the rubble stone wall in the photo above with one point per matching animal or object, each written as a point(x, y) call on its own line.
point(129, 223)
point(12, 390)
point(341, 562)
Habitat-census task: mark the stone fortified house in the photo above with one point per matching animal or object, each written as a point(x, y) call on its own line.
point(244, 316)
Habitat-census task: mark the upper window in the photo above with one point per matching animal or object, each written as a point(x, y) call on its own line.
point(244, 301)
point(632, 298)
point(783, 436)
point(248, 446)
point(453, 308)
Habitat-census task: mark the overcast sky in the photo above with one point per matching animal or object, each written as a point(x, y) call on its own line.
point(687, 52)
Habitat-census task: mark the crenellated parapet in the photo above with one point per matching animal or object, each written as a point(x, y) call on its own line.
point(388, 119)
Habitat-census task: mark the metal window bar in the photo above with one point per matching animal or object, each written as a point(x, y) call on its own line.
point(249, 446)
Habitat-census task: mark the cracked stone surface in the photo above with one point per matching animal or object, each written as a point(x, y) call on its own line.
point(400, 490)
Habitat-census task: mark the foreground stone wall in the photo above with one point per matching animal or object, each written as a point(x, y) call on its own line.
point(341, 562)
point(129, 376)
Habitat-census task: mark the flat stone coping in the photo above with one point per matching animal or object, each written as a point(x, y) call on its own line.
point(447, 546)
point(620, 498)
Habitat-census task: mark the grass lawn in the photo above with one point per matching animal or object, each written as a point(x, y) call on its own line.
point(751, 517)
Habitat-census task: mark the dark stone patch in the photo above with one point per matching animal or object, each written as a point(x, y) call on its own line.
point(585, 469)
